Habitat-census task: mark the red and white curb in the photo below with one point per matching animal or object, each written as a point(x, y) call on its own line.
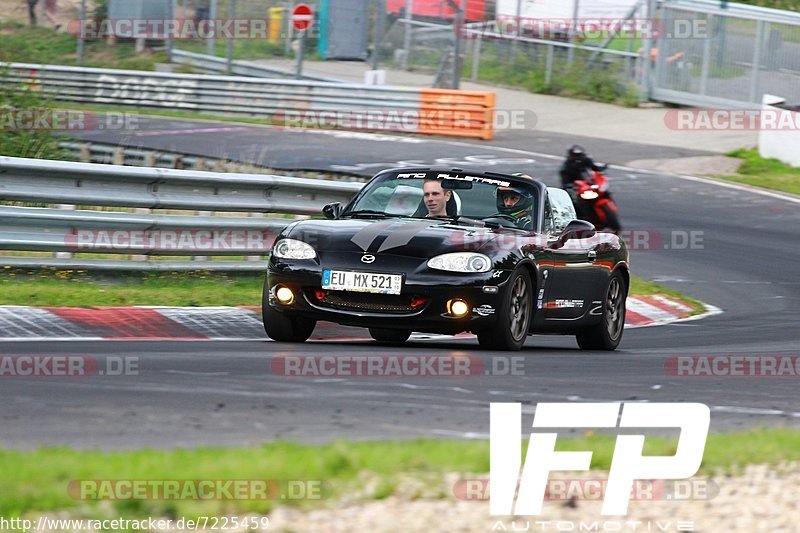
point(22, 323)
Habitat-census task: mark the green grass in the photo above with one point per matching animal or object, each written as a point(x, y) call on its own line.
point(642, 287)
point(36, 481)
point(602, 83)
point(767, 173)
point(71, 288)
point(22, 44)
point(68, 288)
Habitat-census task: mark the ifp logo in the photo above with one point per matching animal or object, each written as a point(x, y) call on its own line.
point(627, 464)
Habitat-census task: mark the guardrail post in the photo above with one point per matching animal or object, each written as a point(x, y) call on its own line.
point(65, 255)
point(140, 211)
point(255, 257)
point(118, 157)
point(85, 153)
point(201, 257)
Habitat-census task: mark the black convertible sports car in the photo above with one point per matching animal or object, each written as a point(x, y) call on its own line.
point(447, 251)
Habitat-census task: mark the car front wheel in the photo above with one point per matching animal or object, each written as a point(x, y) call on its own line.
point(607, 334)
point(513, 318)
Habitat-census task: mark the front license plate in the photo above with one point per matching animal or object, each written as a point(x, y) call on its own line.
point(343, 280)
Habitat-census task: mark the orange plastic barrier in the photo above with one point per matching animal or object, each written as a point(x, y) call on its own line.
point(457, 113)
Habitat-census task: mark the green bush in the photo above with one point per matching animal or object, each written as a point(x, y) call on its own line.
point(40, 144)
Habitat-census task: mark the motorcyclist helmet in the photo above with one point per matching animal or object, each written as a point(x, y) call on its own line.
point(576, 153)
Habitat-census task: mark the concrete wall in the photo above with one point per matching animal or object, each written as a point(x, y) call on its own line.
point(781, 142)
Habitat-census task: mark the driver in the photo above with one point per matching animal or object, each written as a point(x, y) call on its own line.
point(435, 198)
point(516, 203)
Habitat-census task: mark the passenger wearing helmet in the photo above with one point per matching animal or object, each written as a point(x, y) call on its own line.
point(578, 162)
point(516, 204)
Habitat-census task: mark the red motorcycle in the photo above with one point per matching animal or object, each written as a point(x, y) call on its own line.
point(594, 203)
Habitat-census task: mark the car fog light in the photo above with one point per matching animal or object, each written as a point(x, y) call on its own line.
point(284, 295)
point(457, 308)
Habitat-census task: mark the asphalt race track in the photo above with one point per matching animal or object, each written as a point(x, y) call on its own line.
point(744, 261)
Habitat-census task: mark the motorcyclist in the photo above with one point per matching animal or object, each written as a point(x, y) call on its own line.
point(576, 165)
point(516, 204)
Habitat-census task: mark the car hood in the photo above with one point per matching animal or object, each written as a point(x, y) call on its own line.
point(409, 237)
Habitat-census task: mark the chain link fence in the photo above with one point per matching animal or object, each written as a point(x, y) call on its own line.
point(733, 57)
point(692, 52)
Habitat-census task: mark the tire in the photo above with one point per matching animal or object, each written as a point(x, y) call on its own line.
point(513, 318)
point(607, 334)
point(612, 220)
point(283, 328)
point(390, 336)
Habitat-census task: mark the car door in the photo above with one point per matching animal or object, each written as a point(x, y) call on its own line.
point(572, 264)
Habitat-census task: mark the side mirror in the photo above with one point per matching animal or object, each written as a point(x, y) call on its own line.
point(332, 211)
point(577, 229)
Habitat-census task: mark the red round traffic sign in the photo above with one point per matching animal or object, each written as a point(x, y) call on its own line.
point(302, 17)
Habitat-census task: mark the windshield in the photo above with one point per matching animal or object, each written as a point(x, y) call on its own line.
point(435, 194)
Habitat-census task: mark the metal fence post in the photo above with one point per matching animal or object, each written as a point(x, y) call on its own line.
point(518, 33)
point(409, 18)
point(761, 29)
point(81, 42)
point(459, 28)
point(170, 44)
point(706, 60)
point(289, 28)
point(548, 73)
point(660, 59)
point(212, 42)
point(380, 8)
point(476, 56)
point(573, 30)
point(232, 16)
point(646, 85)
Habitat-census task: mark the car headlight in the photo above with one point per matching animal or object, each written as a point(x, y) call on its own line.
point(461, 262)
point(293, 249)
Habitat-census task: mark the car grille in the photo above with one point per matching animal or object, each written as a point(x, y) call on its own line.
point(376, 303)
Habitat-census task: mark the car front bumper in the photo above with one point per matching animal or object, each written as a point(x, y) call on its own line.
point(483, 293)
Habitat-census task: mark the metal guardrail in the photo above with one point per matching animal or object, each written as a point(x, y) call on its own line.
point(287, 102)
point(108, 154)
point(218, 65)
point(61, 229)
